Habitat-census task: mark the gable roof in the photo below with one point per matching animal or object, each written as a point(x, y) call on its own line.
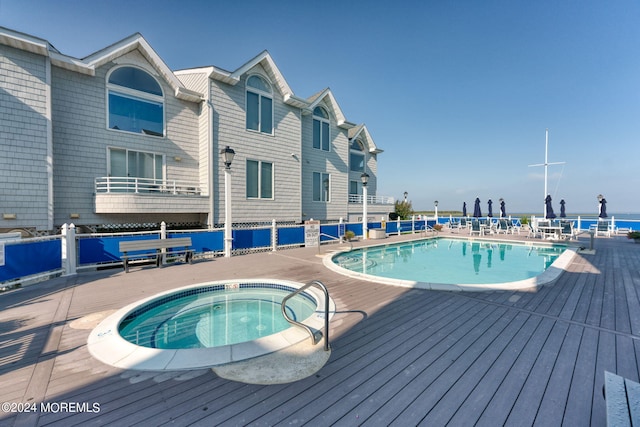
point(89, 64)
point(326, 97)
point(42, 47)
point(362, 133)
point(137, 42)
point(266, 61)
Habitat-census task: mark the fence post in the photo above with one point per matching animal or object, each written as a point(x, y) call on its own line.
point(398, 225)
point(274, 236)
point(163, 235)
point(413, 224)
point(69, 249)
point(579, 224)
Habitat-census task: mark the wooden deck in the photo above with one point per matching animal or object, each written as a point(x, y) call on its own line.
point(400, 356)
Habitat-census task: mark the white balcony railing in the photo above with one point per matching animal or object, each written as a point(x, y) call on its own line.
point(373, 200)
point(119, 184)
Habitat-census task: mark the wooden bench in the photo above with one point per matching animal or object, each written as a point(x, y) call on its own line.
point(623, 400)
point(182, 244)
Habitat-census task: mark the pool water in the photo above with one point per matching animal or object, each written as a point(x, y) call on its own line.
point(213, 318)
point(451, 261)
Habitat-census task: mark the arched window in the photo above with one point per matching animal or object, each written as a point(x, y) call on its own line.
point(356, 156)
point(135, 102)
point(259, 105)
point(321, 133)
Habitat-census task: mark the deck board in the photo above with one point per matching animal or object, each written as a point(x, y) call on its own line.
point(399, 356)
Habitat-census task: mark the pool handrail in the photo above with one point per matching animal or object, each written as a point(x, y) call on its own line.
point(314, 339)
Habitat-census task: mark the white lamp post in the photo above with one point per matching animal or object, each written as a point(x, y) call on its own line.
point(227, 157)
point(435, 204)
point(365, 179)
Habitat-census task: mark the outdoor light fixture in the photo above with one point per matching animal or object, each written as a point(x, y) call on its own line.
point(365, 179)
point(405, 196)
point(435, 203)
point(9, 216)
point(227, 156)
point(600, 197)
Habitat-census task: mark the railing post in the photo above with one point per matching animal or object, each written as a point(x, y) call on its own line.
point(69, 249)
point(413, 224)
point(274, 236)
point(163, 235)
point(579, 224)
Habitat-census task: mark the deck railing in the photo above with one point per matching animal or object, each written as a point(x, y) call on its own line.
point(373, 200)
point(124, 184)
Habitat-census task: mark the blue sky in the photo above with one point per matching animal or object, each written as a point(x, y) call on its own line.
point(457, 93)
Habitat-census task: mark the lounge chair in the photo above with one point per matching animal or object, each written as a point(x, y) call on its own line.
point(603, 228)
point(516, 225)
point(567, 229)
point(503, 226)
point(534, 231)
point(464, 223)
point(454, 225)
point(476, 228)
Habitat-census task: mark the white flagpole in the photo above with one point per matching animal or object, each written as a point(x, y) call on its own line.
point(546, 166)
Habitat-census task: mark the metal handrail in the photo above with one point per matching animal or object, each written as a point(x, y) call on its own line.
point(283, 306)
point(334, 238)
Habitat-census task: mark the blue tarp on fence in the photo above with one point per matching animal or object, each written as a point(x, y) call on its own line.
point(203, 241)
point(251, 238)
point(26, 259)
point(291, 236)
point(95, 250)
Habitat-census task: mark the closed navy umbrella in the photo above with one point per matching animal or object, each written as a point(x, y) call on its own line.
point(477, 213)
point(490, 203)
point(563, 214)
point(464, 208)
point(503, 212)
point(550, 214)
point(603, 208)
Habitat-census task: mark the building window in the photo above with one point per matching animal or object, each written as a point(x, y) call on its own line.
point(259, 105)
point(353, 187)
point(356, 157)
point(321, 129)
point(259, 180)
point(135, 102)
point(321, 187)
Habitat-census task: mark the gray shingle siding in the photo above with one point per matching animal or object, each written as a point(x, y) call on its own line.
point(229, 128)
point(54, 142)
point(23, 139)
point(81, 140)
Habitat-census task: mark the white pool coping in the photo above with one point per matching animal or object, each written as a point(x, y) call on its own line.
point(547, 277)
point(106, 344)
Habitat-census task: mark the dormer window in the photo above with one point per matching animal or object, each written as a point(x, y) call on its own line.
point(259, 105)
point(321, 134)
point(356, 157)
point(135, 102)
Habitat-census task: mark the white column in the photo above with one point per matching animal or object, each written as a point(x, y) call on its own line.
point(274, 235)
point(364, 212)
point(228, 239)
point(69, 249)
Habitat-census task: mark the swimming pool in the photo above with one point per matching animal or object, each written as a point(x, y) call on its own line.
point(206, 325)
point(455, 264)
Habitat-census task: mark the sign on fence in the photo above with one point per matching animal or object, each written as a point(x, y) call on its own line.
point(311, 233)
